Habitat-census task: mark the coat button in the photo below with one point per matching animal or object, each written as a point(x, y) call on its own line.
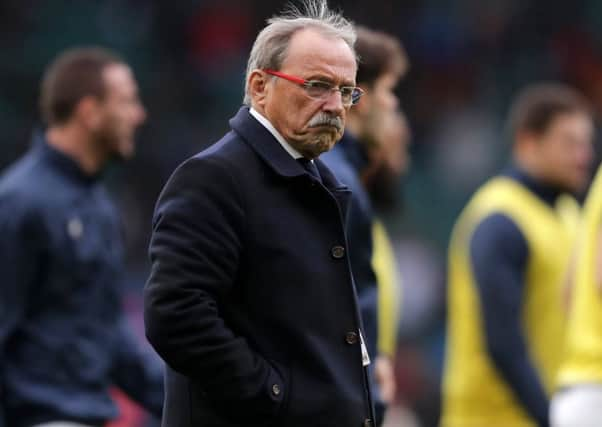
point(276, 390)
point(367, 423)
point(337, 252)
point(351, 338)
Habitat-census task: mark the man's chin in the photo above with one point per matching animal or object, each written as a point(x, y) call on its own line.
point(313, 143)
point(321, 145)
point(126, 151)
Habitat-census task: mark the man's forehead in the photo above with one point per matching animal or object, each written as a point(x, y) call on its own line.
point(118, 76)
point(311, 51)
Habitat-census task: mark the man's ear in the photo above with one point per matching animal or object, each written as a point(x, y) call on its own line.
point(526, 142)
point(88, 112)
point(259, 87)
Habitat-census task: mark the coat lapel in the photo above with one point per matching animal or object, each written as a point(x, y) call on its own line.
point(264, 144)
point(340, 191)
point(269, 149)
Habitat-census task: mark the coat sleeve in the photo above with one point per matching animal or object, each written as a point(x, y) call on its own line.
point(498, 253)
point(195, 252)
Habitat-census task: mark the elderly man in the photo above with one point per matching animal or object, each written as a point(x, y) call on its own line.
point(251, 300)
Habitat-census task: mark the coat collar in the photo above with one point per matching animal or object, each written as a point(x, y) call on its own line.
point(270, 150)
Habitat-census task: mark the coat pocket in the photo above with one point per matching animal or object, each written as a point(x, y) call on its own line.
point(265, 409)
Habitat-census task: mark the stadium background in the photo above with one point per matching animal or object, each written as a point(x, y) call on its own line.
point(468, 58)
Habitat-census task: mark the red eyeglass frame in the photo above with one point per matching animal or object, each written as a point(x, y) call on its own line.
point(303, 82)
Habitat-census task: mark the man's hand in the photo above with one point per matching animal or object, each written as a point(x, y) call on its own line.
point(385, 377)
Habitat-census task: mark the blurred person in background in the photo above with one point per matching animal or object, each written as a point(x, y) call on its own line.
point(509, 258)
point(64, 339)
point(578, 399)
point(382, 63)
point(251, 300)
point(389, 160)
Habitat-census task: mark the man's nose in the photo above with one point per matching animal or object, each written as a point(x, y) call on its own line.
point(141, 114)
point(334, 103)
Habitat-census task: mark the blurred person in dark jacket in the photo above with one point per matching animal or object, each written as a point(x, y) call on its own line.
point(509, 261)
point(382, 63)
point(64, 339)
point(251, 300)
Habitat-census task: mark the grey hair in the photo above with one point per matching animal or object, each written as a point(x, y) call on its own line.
point(271, 45)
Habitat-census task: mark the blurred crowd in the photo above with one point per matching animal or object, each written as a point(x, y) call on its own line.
point(468, 60)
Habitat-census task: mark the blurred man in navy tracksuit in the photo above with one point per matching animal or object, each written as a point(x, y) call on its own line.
point(64, 339)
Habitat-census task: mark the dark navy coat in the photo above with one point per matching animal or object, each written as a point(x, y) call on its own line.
point(347, 160)
point(250, 299)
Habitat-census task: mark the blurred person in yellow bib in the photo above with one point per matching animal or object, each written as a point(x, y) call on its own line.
point(578, 400)
point(508, 260)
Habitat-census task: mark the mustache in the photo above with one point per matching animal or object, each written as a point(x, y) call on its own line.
point(324, 119)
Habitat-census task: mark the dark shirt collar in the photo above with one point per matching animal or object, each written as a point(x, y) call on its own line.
point(64, 163)
point(546, 192)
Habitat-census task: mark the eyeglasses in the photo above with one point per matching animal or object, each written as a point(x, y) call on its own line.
point(350, 95)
